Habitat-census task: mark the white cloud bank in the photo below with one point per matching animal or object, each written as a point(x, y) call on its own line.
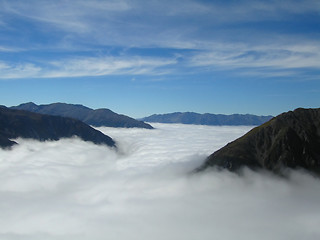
point(74, 190)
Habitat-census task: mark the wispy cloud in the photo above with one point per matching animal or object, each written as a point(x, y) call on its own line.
point(209, 28)
point(74, 17)
point(109, 66)
point(87, 66)
point(28, 70)
point(10, 49)
point(271, 60)
point(155, 23)
point(277, 59)
point(258, 11)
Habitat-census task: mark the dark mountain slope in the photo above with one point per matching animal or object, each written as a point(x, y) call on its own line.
point(291, 140)
point(102, 117)
point(19, 123)
point(98, 118)
point(5, 142)
point(208, 119)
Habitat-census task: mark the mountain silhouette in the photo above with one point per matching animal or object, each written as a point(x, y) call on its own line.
point(291, 140)
point(19, 123)
point(207, 118)
point(97, 118)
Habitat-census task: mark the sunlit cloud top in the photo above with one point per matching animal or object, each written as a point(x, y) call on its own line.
point(75, 190)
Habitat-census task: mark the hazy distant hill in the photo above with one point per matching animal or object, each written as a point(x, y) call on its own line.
point(18, 123)
point(291, 139)
point(98, 118)
point(207, 118)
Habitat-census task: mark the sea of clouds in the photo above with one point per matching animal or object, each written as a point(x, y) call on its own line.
point(75, 190)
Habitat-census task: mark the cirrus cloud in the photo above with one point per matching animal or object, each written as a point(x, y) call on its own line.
point(87, 66)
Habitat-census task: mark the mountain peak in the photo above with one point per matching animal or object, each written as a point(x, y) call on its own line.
point(29, 106)
point(207, 118)
point(98, 118)
point(20, 123)
point(291, 139)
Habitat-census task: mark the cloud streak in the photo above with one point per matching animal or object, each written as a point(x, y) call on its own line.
point(70, 189)
point(271, 59)
point(218, 36)
point(268, 60)
point(87, 66)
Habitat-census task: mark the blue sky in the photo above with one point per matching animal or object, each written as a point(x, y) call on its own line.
point(143, 57)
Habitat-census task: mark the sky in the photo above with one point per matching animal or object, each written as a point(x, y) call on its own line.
point(75, 190)
point(143, 57)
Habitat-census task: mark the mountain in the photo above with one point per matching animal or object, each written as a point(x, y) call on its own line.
point(207, 118)
point(97, 118)
point(291, 140)
point(19, 123)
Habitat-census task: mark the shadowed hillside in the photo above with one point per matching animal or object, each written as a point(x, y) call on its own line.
point(24, 124)
point(208, 119)
point(97, 118)
point(291, 140)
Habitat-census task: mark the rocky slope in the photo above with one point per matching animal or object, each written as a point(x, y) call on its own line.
point(208, 119)
point(24, 124)
point(97, 118)
point(291, 140)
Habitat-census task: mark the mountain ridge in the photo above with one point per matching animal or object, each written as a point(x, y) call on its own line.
point(290, 140)
point(207, 118)
point(94, 117)
point(25, 124)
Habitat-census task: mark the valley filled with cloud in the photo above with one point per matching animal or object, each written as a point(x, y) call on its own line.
point(75, 190)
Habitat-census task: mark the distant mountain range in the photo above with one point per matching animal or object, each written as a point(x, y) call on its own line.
point(291, 140)
point(97, 118)
point(19, 123)
point(207, 118)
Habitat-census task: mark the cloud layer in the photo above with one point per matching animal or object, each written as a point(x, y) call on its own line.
point(70, 189)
